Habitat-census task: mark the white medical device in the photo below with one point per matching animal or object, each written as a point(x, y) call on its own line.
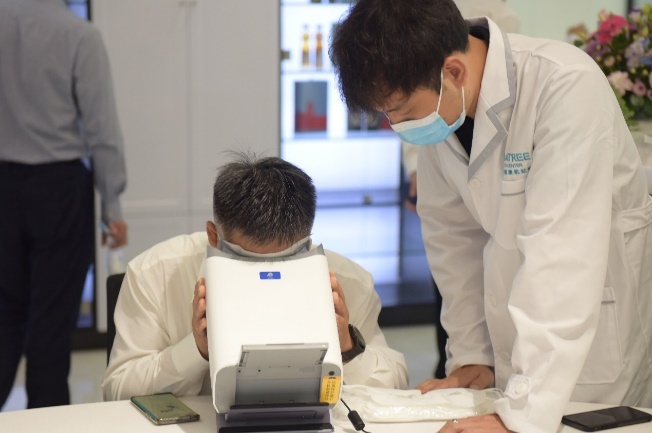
point(275, 361)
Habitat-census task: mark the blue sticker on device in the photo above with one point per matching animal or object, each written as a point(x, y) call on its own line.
point(270, 275)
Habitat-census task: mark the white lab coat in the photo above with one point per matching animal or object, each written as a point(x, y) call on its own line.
point(543, 238)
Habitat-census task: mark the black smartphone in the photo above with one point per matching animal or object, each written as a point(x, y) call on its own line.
point(603, 419)
point(164, 409)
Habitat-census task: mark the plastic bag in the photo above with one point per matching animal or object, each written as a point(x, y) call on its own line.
point(395, 405)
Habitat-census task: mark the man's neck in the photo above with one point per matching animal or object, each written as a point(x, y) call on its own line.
point(477, 56)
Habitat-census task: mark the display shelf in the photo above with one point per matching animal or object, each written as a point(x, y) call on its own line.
point(369, 197)
point(354, 161)
point(376, 134)
point(310, 72)
point(368, 235)
point(311, 18)
point(303, 3)
point(348, 165)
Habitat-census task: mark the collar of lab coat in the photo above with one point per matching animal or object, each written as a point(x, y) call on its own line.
point(497, 93)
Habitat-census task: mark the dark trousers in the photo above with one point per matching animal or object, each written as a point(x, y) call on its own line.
point(441, 337)
point(46, 247)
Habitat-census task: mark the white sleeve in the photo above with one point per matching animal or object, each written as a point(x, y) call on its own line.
point(93, 93)
point(379, 365)
point(144, 359)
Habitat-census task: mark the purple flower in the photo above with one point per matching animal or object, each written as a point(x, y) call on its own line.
point(639, 88)
point(595, 49)
point(647, 57)
point(649, 94)
point(634, 54)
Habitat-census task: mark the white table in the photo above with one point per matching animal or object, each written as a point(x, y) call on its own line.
point(122, 417)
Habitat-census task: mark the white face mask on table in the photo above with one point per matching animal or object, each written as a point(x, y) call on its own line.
point(396, 405)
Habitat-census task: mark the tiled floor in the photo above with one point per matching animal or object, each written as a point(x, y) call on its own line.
point(416, 342)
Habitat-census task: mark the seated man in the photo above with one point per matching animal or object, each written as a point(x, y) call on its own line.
point(264, 206)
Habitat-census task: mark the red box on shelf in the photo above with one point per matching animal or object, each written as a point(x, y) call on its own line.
point(310, 106)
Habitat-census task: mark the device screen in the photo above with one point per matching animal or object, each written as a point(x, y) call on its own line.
point(603, 419)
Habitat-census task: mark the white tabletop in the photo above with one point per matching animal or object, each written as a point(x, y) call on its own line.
point(122, 417)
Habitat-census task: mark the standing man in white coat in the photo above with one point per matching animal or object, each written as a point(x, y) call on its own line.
point(507, 20)
point(536, 216)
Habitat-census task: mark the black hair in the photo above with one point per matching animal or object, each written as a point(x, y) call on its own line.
point(385, 46)
point(266, 200)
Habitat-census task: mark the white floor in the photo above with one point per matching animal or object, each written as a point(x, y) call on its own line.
point(416, 342)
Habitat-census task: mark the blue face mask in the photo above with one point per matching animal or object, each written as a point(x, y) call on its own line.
point(431, 129)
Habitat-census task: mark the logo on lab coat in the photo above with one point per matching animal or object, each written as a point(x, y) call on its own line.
point(517, 164)
point(270, 275)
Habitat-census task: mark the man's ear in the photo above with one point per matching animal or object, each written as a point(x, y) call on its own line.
point(456, 69)
point(211, 231)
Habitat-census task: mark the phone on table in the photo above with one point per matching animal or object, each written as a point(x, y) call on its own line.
point(603, 419)
point(164, 408)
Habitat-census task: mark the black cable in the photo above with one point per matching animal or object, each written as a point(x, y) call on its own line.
point(355, 419)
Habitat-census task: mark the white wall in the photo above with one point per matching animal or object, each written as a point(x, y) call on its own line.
point(551, 18)
point(193, 79)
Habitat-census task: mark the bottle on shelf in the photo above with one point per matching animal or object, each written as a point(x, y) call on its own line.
point(305, 49)
point(318, 49)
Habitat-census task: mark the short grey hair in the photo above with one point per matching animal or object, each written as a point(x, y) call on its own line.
point(267, 200)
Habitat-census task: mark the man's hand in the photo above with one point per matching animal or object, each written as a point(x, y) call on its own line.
point(476, 424)
point(199, 318)
point(469, 376)
point(117, 231)
point(341, 315)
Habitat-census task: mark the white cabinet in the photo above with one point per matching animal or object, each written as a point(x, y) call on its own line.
point(193, 79)
point(149, 68)
point(235, 87)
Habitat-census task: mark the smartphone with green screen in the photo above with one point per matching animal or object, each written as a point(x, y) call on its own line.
point(164, 408)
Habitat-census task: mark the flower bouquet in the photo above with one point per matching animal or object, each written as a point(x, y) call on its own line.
point(621, 47)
